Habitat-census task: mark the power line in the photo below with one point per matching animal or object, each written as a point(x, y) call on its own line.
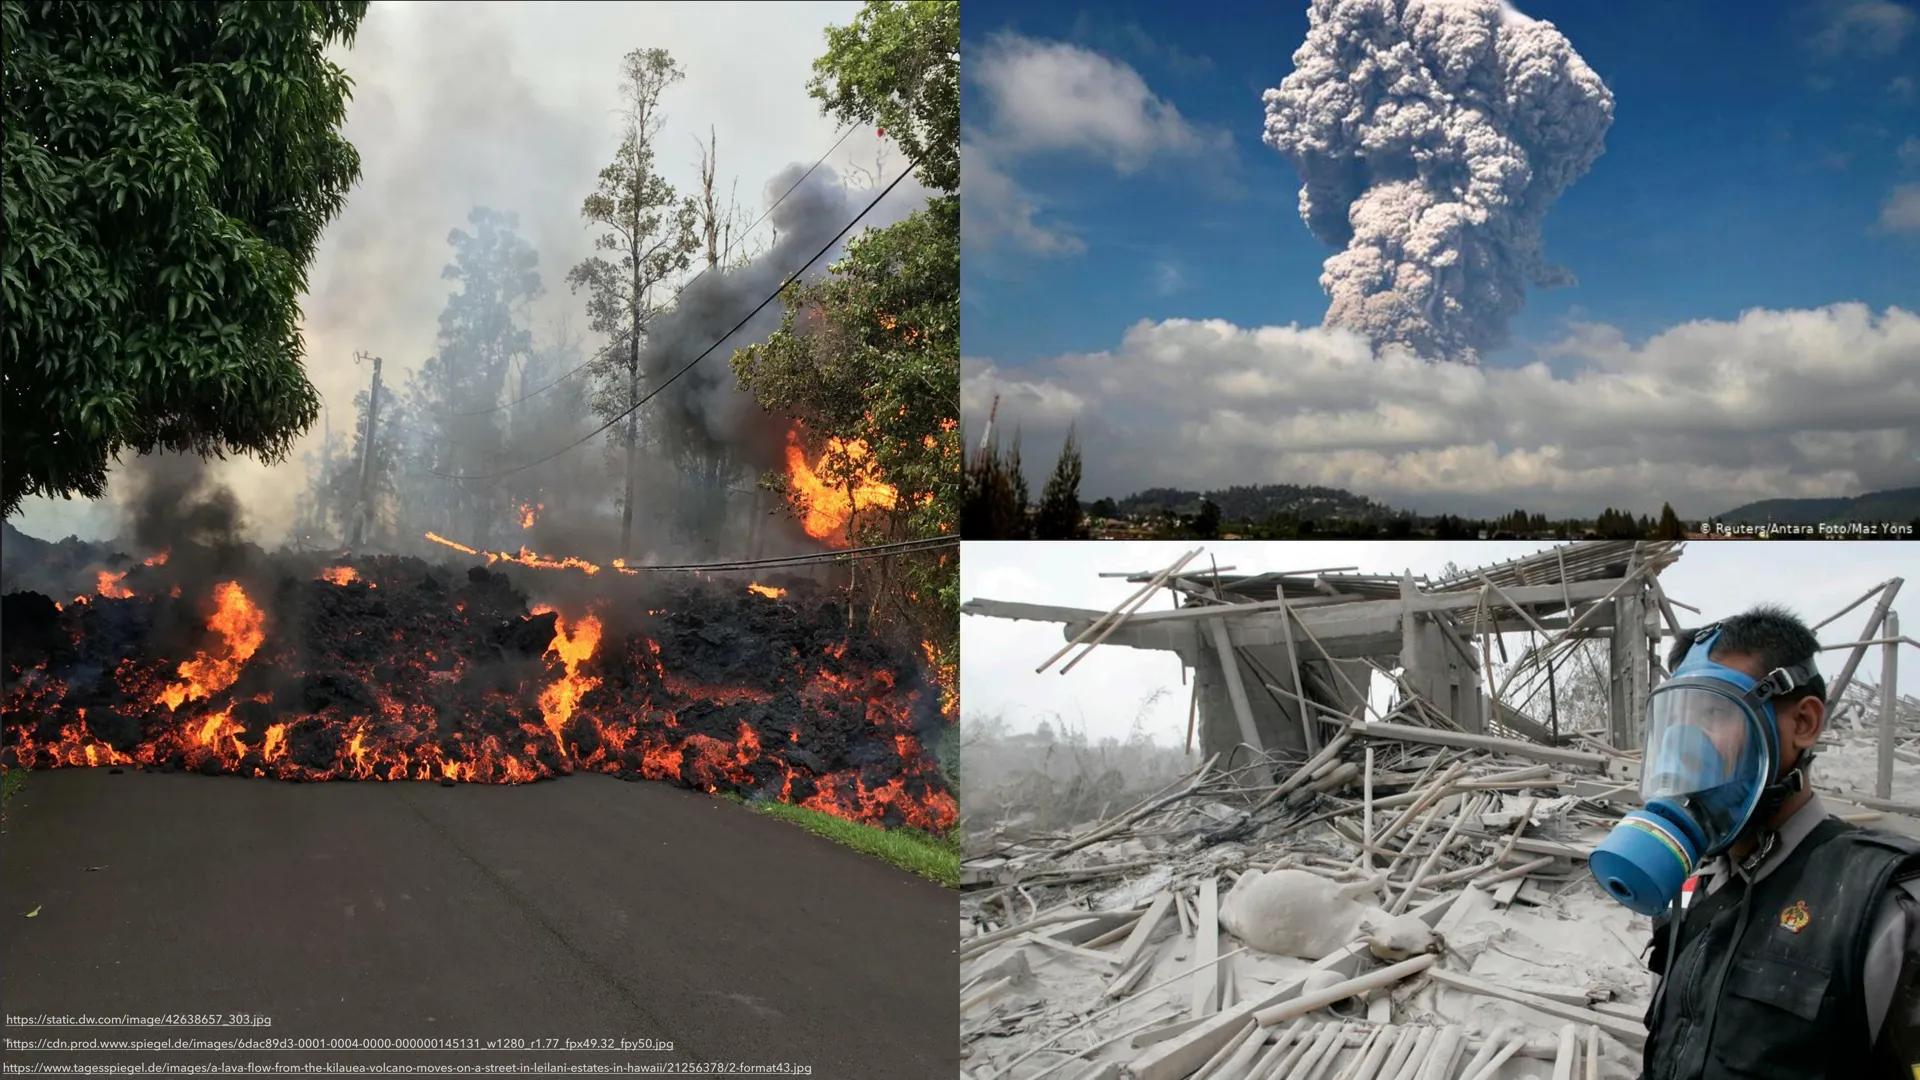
point(791, 188)
point(872, 551)
point(669, 381)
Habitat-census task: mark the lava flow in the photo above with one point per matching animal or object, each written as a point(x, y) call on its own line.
point(397, 670)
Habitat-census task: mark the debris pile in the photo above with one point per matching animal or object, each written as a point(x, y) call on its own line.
point(1379, 872)
point(1407, 895)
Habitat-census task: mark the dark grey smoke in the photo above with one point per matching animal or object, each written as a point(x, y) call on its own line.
point(706, 410)
point(170, 500)
point(1430, 137)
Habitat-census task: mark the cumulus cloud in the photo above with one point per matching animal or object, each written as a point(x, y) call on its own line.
point(1900, 213)
point(1031, 98)
point(1430, 139)
point(1863, 27)
point(998, 209)
point(1051, 96)
point(1707, 414)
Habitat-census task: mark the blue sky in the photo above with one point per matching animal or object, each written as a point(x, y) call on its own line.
point(1744, 168)
point(1746, 253)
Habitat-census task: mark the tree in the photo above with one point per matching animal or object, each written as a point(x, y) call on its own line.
point(652, 228)
point(871, 354)
point(1059, 515)
point(168, 169)
point(483, 337)
point(898, 66)
point(1669, 527)
point(1206, 524)
point(1104, 507)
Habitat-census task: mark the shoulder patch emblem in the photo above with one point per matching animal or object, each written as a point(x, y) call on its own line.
point(1795, 917)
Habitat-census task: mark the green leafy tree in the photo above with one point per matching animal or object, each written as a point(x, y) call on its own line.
point(897, 65)
point(653, 230)
point(168, 169)
point(871, 353)
point(1059, 515)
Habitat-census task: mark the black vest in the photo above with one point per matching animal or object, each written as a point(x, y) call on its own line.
point(1766, 982)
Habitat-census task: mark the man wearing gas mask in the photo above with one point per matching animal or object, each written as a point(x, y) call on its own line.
point(1797, 952)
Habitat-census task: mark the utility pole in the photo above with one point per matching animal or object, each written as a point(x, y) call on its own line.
point(362, 511)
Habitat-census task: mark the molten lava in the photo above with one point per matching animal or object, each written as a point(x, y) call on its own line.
point(447, 675)
point(826, 508)
point(108, 585)
point(241, 627)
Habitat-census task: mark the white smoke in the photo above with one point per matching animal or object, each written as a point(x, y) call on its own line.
point(1430, 137)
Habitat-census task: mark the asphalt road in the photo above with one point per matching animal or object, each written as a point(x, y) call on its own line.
point(569, 909)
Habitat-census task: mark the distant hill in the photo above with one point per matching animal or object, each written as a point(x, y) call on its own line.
point(1900, 504)
point(1260, 503)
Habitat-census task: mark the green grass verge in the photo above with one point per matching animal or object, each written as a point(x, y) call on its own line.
point(936, 858)
point(11, 781)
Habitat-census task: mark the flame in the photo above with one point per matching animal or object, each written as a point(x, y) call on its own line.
point(241, 628)
point(529, 513)
point(826, 508)
point(558, 701)
point(157, 560)
point(438, 539)
point(771, 592)
point(340, 575)
point(107, 584)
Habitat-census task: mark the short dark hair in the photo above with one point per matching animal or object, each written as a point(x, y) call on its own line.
point(1772, 633)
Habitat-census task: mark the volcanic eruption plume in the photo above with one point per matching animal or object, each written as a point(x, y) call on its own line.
point(1430, 137)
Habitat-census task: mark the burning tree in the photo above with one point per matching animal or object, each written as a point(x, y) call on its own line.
point(868, 359)
point(653, 230)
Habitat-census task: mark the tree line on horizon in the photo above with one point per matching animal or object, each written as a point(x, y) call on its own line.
point(996, 504)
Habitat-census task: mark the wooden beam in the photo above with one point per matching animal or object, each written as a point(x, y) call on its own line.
point(1206, 937)
point(1236, 688)
point(1409, 733)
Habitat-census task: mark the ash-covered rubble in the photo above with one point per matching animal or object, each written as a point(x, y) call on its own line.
point(389, 668)
point(1379, 871)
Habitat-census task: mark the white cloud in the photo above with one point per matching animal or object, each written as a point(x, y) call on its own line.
point(1901, 212)
point(998, 209)
point(1050, 96)
point(1863, 27)
point(1707, 414)
point(1168, 278)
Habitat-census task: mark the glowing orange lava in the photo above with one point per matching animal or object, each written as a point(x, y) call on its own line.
point(107, 584)
point(771, 592)
point(241, 627)
point(340, 575)
point(825, 507)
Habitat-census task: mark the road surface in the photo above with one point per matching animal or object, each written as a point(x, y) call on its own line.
point(580, 908)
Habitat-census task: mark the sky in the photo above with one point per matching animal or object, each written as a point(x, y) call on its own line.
point(1745, 258)
point(1115, 687)
point(512, 106)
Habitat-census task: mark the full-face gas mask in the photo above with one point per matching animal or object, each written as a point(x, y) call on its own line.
point(1712, 750)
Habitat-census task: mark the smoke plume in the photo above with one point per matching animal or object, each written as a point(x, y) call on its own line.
point(1430, 137)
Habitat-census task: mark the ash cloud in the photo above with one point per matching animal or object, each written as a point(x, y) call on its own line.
point(1431, 138)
